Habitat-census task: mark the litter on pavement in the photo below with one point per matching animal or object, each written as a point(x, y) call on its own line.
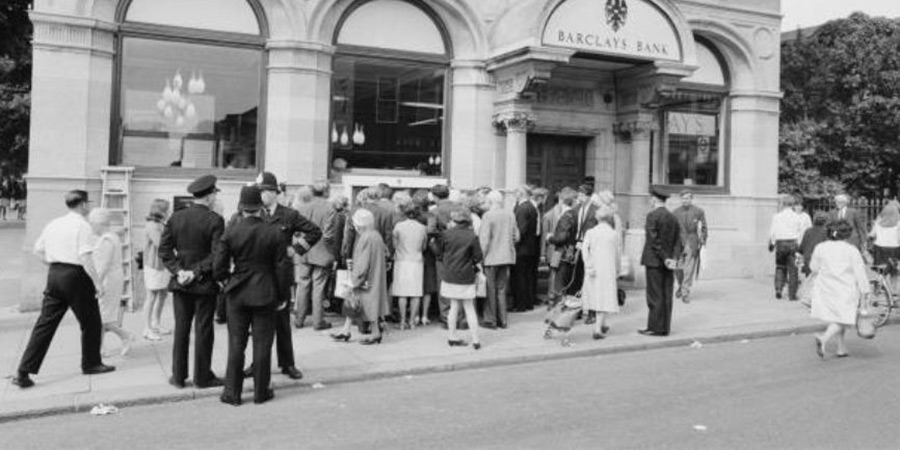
point(318, 386)
point(700, 427)
point(102, 410)
point(696, 344)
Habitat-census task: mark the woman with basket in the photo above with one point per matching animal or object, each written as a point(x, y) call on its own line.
point(841, 280)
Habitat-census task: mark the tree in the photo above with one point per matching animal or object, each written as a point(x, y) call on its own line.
point(840, 122)
point(15, 84)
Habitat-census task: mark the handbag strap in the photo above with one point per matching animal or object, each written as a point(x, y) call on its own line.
point(572, 278)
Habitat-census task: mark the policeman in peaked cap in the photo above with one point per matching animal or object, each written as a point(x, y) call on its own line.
point(255, 249)
point(186, 248)
point(662, 249)
point(298, 236)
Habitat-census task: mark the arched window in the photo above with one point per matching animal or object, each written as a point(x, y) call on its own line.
point(190, 84)
point(388, 89)
point(693, 136)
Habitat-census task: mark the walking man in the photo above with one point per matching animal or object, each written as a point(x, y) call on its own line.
point(303, 234)
point(254, 294)
point(693, 235)
point(186, 248)
point(65, 244)
point(785, 234)
point(661, 250)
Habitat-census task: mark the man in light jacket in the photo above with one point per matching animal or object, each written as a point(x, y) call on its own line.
point(498, 236)
point(318, 261)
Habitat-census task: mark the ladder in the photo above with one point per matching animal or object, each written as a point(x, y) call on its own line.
point(116, 197)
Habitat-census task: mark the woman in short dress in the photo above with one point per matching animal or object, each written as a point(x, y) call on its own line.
point(602, 253)
point(410, 239)
point(156, 276)
point(841, 280)
point(107, 256)
point(459, 250)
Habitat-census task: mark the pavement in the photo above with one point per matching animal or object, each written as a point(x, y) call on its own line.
point(12, 262)
point(720, 310)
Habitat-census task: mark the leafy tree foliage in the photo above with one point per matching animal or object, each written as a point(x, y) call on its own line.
point(15, 83)
point(840, 122)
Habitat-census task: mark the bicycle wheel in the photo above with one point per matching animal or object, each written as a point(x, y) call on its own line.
point(881, 302)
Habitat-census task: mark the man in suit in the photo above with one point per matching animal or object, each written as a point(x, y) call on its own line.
point(528, 251)
point(255, 293)
point(569, 233)
point(316, 264)
point(565, 198)
point(857, 219)
point(298, 237)
point(693, 235)
point(186, 249)
point(498, 236)
point(662, 248)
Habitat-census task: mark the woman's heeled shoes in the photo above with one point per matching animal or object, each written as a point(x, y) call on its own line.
point(341, 337)
point(604, 329)
point(598, 336)
point(476, 345)
point(370, 341)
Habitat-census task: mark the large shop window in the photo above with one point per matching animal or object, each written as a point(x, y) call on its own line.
point(388, 92)
point(693, 139)
point(188, 104)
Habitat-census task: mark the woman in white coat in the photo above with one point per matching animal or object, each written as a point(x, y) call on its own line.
point(840, 282)
point(601, 252)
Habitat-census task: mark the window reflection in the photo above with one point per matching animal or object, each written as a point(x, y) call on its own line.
point(189, 105)
point(692, 140)
point(387, 114)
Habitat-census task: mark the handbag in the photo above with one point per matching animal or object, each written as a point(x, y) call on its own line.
point(569, 254)
point(342, 286)
point(353, 308)
point(865, 321)
point(480, 285)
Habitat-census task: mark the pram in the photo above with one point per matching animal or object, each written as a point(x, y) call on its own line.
point(561, 316)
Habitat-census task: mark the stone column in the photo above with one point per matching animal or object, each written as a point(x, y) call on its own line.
point(298, 104)
point(516, 126)
point(71, 98)
point(471, 134)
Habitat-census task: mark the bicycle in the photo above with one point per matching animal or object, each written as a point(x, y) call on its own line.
point(883, 300)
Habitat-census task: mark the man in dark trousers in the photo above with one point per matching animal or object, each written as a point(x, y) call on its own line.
point(186, 248)
point(662, 248)
point(298, 236)
point(694, 233)
point(65, 244)
point(569, 234)
point(528, 251)
point(254, 293)
point(843, 211)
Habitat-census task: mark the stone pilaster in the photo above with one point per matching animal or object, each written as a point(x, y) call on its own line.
point(471, 129)
point(516, 125)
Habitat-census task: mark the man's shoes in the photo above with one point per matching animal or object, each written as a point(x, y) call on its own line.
point(686, 299)
point(248, 372)
point(176, 383)
point(298, 323)
point(652, 333)
point(23, 380)
point(778, 295)
point(793, 299)
point(292, 372)
point(222, 321)
point(229, 400)
point(678, 293)
point(98, 369)
point(501, 325)
point(489, 326)
point(322, 326)
point(265, 396)
point(211, 383)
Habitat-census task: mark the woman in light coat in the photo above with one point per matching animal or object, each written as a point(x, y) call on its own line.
point(107, 256)
point(601, 252)
point(841, 280)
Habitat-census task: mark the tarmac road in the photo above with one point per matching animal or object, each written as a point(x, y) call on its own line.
point(768, 394)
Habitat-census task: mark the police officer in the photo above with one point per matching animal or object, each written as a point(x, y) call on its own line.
point(298, 236)
point(254, 293)
point(186, 248)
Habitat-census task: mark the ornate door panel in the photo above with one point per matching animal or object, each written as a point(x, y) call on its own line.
point(556, 161)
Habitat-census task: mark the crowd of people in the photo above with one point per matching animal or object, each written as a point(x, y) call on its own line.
point(13, 193)
point(403, 259)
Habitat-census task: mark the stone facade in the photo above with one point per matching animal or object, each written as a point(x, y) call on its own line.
point(505, 85)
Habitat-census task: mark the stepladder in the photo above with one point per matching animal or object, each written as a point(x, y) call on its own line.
point(116, 197)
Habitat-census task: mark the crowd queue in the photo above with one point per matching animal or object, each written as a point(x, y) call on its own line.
point(466, 259)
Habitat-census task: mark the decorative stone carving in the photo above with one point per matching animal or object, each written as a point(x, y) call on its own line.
point(65, 33)
point(522, 72)
point(630, 129)
point(515, 122)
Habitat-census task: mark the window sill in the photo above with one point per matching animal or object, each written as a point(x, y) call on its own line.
point(675, 189)
point(182, 173)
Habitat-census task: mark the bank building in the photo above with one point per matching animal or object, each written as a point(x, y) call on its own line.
point(625, 94)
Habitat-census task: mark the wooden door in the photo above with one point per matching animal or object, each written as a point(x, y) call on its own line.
point(556, 161)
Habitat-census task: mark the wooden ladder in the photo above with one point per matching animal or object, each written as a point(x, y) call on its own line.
point(116, 197)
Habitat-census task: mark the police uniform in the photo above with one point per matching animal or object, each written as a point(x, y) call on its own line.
point(254, 291)
point(290, 223)
point(188, 242)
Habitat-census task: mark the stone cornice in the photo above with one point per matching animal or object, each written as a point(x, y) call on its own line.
point(56, 32)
